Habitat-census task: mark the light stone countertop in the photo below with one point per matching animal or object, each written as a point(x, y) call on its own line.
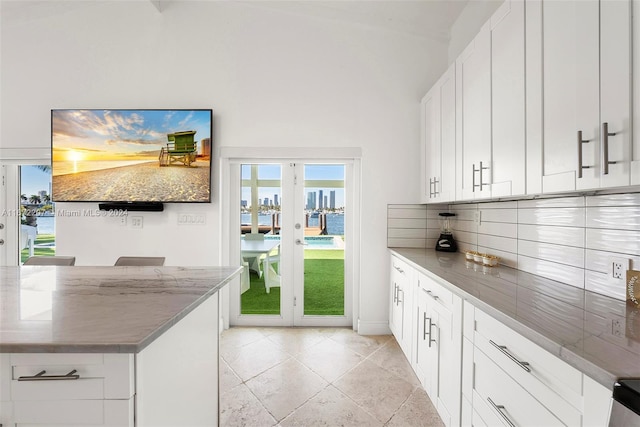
point(598, 335)
point(80, 309)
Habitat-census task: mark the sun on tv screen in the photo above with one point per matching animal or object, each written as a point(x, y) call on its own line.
point(131, 155)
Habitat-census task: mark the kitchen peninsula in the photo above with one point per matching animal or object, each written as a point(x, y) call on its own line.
point(116, 346)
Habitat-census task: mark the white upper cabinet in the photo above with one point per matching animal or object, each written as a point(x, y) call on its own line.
point(473, 118)
point(508, 143)
point(586, 99)
point(438, 140)
point(635, 162)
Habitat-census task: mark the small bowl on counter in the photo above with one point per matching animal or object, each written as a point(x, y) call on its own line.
point(490, 260)
point(469, 255)
point(477, 257)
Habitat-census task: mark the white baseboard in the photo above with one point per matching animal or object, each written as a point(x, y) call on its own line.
point(373, 327)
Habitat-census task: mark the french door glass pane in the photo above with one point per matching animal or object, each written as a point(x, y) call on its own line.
point(260, 209)
point(324, 240)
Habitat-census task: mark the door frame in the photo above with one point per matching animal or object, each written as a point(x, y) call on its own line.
point(230, 160)
point(10, 161)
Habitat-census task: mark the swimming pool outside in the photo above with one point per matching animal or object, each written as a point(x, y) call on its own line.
point(318, 242)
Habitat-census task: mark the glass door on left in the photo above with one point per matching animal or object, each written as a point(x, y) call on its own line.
point(28, 213)
point(260, 219)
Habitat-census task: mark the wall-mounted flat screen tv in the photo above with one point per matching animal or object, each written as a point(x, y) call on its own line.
point(131, 155)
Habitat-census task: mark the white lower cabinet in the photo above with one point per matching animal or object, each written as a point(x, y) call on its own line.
point(438, 349)
point(69, 389)
point(510, 380)
point(400, 311)
point(478, 371)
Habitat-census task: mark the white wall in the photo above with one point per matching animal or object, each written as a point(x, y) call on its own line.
point(273, 79)
point(468, 24)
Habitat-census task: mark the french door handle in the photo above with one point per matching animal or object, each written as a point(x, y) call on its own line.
point(300, 242)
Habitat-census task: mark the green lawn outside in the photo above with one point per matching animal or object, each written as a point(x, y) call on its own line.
point(40, 239)
point(324, 287)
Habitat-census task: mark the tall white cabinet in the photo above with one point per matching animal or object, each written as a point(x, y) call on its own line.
point(586, 94)
point(508, 142)
point(473, 118)
point(438, 109)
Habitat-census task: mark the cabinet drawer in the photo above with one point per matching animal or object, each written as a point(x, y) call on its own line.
point(436, 291)
point(492, 384)
point(75, 412)
point(399, 269)
point(99, 376)
point(550, 380)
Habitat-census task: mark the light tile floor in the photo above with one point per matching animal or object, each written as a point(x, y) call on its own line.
point(318, 377)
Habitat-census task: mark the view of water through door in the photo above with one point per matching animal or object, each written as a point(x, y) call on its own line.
point(312, 215)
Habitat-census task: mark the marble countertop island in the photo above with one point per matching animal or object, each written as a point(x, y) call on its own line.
point(98, 309)
point(596, 334)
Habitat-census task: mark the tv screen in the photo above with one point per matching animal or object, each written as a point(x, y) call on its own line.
point(131, 155)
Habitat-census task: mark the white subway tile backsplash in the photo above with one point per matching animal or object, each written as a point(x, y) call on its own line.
point(623, 241)
point(568, 239)
point(467, 237)
point(510, 259)
point(500, 243)
point(407, 243)
point(600, 261)
point(629, 199)
point(499, 215)
point(407, 233)
point(619, 217)
point(559, 202)
point(601, 284)
point(498, 205)
point(569, 236)
point(406, 223)
point(552, 270)
point(556, 253)
point(552, 216)
point(499, 229)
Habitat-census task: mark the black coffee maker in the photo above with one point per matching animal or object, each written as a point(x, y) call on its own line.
point(445, 242)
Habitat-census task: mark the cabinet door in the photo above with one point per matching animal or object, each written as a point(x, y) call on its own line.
point(570, 93)
point(439, 140)
point(395, 313)
point(473, 117)
point(423, 353)
point(430, 107)
point(615, 92)
point(445, 190)
point(508, 100)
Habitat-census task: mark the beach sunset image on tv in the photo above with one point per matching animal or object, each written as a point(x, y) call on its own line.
point(131, 155)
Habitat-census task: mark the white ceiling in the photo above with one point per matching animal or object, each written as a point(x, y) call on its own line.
point(422, 18)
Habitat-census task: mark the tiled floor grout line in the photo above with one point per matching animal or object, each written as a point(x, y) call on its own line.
point(297, 353)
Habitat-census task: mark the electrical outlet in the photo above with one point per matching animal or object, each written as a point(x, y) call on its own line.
point(619, 267)
point(136, 222)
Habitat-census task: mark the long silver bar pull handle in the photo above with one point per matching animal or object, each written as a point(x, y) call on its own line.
point(481, 180)
point(500, 409)
point(435, 188)
point(605, 147)
point(580, 142)
point(473, 178)
point(503, 349)
point(40, 376)
point(424, 327)
point(431, 340)
point(432, 295)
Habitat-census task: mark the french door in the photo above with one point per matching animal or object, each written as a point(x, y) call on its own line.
point(294, 223)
